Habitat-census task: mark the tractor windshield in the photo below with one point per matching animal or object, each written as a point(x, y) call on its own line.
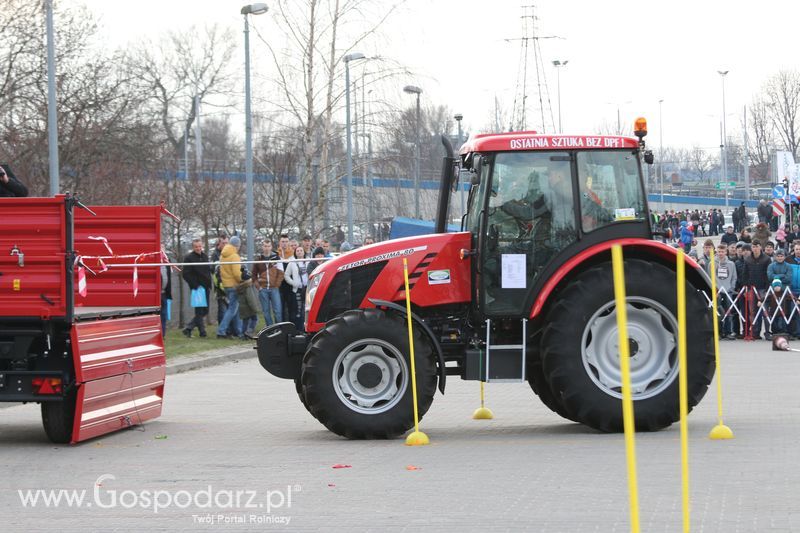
point(610, 188)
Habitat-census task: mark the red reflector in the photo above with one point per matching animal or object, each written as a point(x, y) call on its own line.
point(46, 385)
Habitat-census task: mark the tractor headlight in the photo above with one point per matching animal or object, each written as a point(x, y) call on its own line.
point(311, 291)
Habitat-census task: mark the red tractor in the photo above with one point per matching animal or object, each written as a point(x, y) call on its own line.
point(523, 293)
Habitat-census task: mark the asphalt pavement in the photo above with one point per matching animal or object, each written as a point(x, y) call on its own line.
point(235, 450)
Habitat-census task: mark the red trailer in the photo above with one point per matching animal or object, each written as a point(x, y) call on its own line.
point(93, 359)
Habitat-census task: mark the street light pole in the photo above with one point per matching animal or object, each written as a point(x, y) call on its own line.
point(347, 59)
point(411, 89)
point(52, 123)
point(558, 64)
point(661, 150)
point(250, 9)
point(723, 143)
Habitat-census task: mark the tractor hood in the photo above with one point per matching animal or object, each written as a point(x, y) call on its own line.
point(437, 276)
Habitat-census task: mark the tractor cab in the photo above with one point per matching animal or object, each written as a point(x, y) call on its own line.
point(536, 201)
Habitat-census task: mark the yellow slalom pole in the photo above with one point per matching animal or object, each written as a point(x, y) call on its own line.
point(720, 431)
point(417, 438)
point(625, 367)
point(683, 385)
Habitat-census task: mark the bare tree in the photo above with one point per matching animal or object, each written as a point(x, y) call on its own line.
point(179, 70)
point(760, 138)
point(782, 99)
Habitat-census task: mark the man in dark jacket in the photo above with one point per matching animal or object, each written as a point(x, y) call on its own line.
point(10, 186)
point(729, 236)
point(755, 277)
point(197, 277)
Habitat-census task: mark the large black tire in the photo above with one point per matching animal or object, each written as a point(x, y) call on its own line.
point(298, 386)
point(58, 418)
point(578, 369)
point(539, 385)
point(339, 341)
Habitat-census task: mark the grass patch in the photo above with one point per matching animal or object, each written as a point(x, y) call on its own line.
point(178, 345)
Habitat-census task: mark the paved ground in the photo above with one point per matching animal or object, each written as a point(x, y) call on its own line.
point(234, 427)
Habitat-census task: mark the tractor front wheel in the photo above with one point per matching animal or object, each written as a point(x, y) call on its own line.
point(356, 375)
point(580, 351)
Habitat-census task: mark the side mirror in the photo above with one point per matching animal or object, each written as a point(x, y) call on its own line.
point(648, 157)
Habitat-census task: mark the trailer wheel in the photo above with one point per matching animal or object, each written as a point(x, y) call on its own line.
point(58, 418)
point(580, 347)
point(356, 375)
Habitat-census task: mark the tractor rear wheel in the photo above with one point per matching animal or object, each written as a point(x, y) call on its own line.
point(580, 352)
point(538, 382)
point(356, 375)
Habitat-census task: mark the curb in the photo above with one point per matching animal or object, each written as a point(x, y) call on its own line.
point(208, 359)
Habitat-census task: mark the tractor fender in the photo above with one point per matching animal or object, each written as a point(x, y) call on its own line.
point(641, 248)
point(417, 320)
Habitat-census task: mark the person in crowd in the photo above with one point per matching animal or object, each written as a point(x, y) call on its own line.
point(307, 245)
point(326, 246)
point(247, 296)
point(732, 255)
point(10, 186)
point(755, 279)
point(287, 296)
point(316, 257)
point(694, 218)
point(745, 236)
point(769, 249)
point(219, 290)
point(793, 235)
point(368, 241)
point(686, 237)
point(345, 247)
point(794, 259)
point(268, 278)
point(339, 235)
point(297, 277)
point(705, 259)
point(231, 277)
point(726, 279)
point(764, 211)
point(778, 308)
point(197, 277)
point(780, 236)
point(741, 216)
point(762, 233)
point(729, 236)
point(780, 269)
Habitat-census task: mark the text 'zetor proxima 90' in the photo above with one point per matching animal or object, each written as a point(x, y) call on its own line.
point(524, 292)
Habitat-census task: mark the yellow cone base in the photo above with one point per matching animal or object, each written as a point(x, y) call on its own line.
point(720, 432)
point(417, 438)
point(482, 413)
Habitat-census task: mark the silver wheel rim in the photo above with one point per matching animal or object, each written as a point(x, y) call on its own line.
point(652, 330)
point(383, 362)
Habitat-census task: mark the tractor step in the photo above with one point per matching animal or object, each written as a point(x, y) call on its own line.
point(498, 363)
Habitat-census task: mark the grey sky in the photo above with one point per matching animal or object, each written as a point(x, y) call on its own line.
point(637, 52)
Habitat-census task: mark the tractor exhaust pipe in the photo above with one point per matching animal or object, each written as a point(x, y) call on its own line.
point(448, 168)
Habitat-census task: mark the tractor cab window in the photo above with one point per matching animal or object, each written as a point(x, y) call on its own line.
point(530, 219)
point(610, 188)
